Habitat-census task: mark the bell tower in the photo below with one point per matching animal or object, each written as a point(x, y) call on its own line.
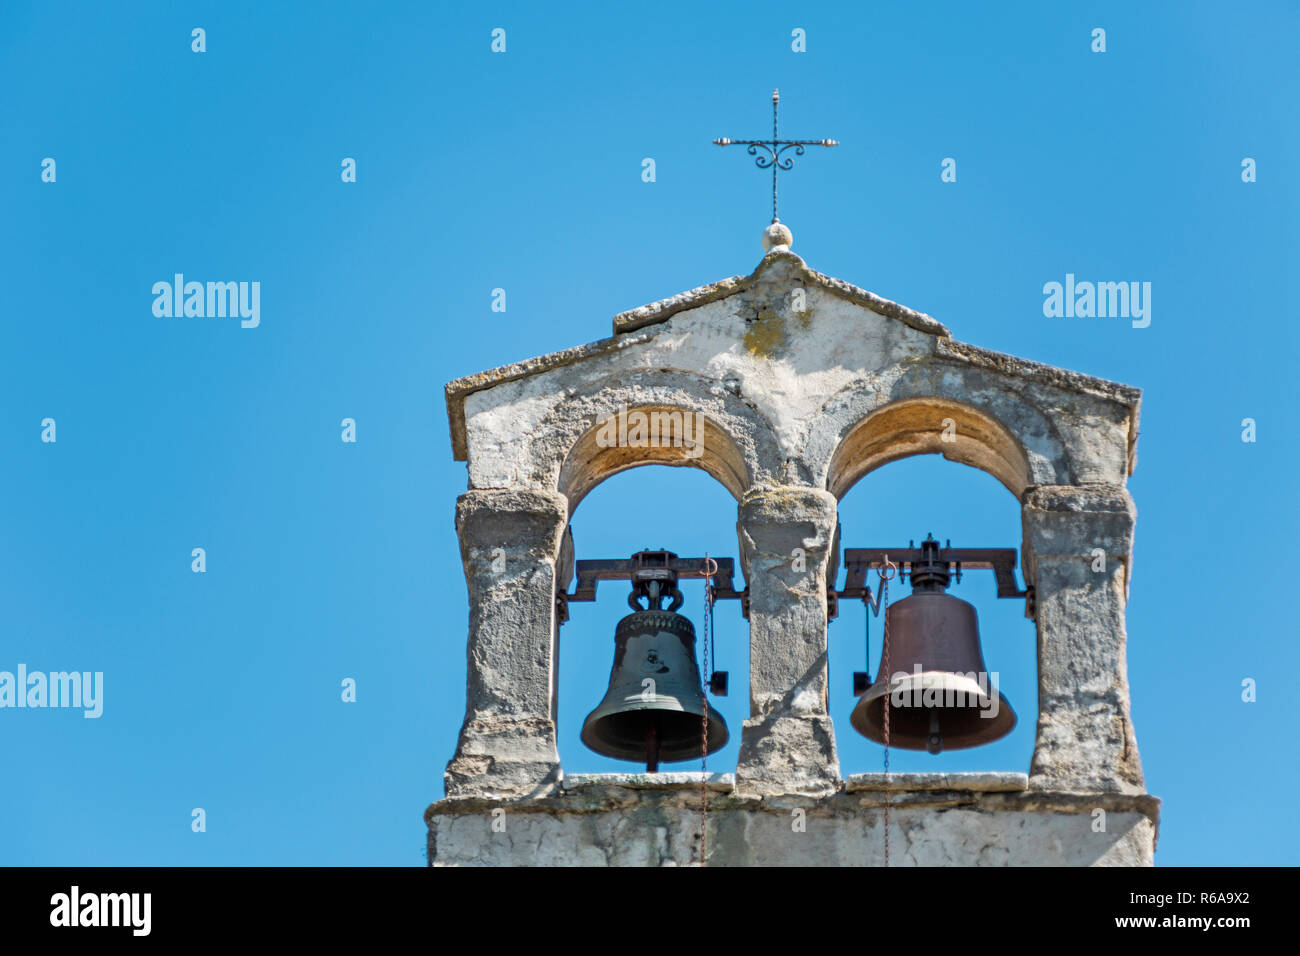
point(787, 386)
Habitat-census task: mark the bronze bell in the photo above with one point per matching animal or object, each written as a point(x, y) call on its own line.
point(941, 696)
point(655, 706)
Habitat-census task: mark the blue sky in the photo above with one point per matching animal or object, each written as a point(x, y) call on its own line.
point(522, 171)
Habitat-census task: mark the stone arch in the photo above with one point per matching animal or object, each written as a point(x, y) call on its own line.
point(591, 459)
point(920, 426)
point(736, 446)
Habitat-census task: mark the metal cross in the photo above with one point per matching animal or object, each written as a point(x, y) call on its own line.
point(774, 148)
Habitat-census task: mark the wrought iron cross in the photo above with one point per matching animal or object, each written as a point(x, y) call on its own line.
point(774, 148)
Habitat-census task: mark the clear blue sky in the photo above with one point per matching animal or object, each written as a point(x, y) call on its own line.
point(522, 170)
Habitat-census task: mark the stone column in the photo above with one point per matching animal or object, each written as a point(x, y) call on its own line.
point(787, 744)
point(1078, 543)
point(510, 543)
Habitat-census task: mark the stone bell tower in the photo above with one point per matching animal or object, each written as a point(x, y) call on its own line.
point(804, 384)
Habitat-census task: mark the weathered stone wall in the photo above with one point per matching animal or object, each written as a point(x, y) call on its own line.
point(804, 384)
point(634, 820)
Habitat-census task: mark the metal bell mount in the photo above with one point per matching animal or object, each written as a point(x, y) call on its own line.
point(654, 708)
point(939, 692)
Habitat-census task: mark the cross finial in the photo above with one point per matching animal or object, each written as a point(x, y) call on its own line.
point(773, 148)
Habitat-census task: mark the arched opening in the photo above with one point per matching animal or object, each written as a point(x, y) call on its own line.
point(651, 434)
point(920, 426)
point(903, 503)
point(683, 510)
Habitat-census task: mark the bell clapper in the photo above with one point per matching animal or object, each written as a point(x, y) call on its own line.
point(934, 743)
point(652, 748)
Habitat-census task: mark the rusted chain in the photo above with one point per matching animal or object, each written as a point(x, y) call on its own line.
point(710, 569)
point(887, 574)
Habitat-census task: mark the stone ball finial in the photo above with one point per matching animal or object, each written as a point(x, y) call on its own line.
point(777, 234)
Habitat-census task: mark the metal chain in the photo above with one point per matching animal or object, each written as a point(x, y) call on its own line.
point(710, 567)
point(886, 573)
